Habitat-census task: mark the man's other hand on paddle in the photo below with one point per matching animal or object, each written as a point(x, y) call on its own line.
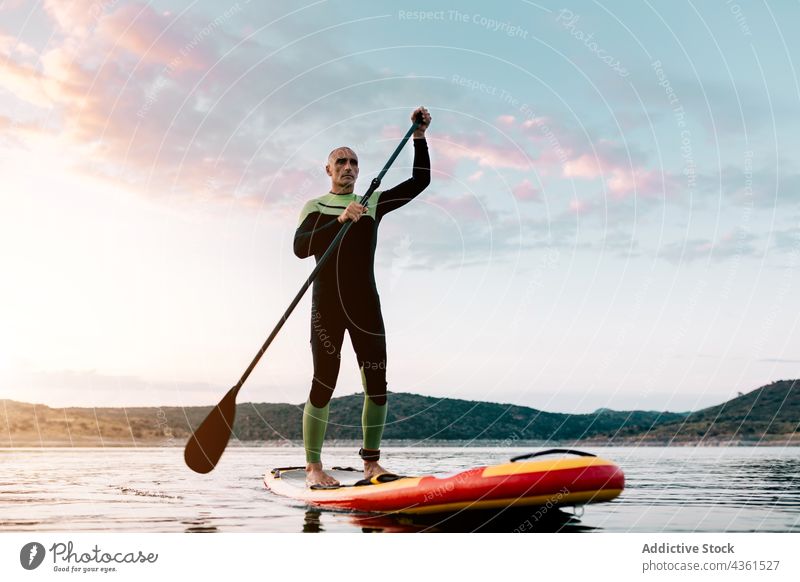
point(353, 212)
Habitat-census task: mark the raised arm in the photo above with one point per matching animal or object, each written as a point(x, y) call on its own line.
point(403, 193)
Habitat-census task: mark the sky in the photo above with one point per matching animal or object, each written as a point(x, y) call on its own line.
point(612, 221)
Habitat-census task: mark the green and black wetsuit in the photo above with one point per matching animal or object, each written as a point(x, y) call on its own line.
point(344, 297)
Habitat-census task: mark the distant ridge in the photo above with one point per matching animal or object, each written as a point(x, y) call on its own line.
point(770, 414)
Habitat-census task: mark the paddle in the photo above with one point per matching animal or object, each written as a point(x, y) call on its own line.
point(208, 442)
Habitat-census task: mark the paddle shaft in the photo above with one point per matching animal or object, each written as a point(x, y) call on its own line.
point(376, 182)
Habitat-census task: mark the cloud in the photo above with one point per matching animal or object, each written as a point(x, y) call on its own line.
point(622, 177)
point(160, 38)
point(734, 243)
point(482, 150)
point(763, 187)
point(786, 239)
point(451, 231)
point(724, 110)
point(585, 166)
point(171, 104)
point(507, 120)
point(25, 82)
point(76, 17)
point(624, 182)
point(622, 168)
point(90, 388)
point(525, 191)
point(463, 207)
point(12, 46)
point(578, 206)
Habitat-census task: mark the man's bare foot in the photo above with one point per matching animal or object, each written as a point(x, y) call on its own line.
point(316, 476)
point(373, 469)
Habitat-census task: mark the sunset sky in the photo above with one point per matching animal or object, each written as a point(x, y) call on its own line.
point(613, 219)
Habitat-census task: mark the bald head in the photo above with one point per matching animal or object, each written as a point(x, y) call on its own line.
point(341, 152)
point(342, 167)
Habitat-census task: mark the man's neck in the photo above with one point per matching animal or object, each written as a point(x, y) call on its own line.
point(341, 191)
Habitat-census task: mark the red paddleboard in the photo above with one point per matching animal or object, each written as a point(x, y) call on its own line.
point(567, 478)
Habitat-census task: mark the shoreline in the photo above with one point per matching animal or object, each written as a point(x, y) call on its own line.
point(155, 444)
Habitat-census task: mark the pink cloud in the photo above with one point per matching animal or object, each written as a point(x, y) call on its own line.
point(443, 165)
point(10, 45)
point(301, 184)
point(464, 206)
point(555, 143)
point(584, 166)
point(546, 129)
point(535, 122)
point(622, 179)
point(154, 38)
point(525, 191)
point(480, 149)
point(97, 76)
point(133, 28)
point(23, 133)
point(24, 82)
point(76, 17)
point(580, 206)
point(392, 131)
point(122, 82)
point(603, 159)
point(626, 181)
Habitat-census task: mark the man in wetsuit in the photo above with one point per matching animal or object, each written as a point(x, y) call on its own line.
point(345, 297)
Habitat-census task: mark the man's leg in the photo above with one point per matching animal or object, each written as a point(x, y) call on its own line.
point(327, 334)
point(369, 343)
point(373, 414)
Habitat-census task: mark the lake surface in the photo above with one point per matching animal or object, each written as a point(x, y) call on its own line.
point(680, 489)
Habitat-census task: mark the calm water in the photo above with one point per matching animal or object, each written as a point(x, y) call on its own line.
point(668, 490)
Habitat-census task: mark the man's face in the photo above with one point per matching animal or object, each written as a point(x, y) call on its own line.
point(342, 167)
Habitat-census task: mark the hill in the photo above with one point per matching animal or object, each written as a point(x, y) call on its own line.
point(411, 417)
point(770, 414)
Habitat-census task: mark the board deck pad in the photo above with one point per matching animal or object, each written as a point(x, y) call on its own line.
point(347, 477)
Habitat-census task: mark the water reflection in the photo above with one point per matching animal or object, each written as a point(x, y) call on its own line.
point(200, 525)
point(312, 522)
point(201, 529)
point(719, 482)
point(520, 520)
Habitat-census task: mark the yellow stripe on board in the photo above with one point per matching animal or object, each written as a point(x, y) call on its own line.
point(569, 499)
point(543, 466)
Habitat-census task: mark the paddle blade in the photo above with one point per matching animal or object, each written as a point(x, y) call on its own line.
point(206, 445)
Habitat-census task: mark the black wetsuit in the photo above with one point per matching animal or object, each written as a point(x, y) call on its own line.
point(344, 294)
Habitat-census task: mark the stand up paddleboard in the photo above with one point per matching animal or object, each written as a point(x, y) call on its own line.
point(574, 480)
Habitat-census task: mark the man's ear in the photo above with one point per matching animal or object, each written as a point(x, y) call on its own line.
point(328, 169)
